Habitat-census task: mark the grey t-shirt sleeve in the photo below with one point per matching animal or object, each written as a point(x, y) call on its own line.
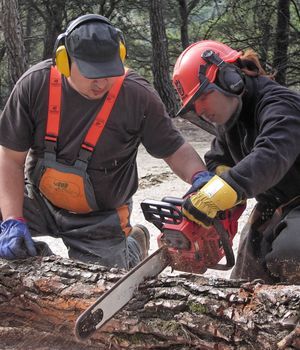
point(16, 126)
point(159, 136)
point(26, 109)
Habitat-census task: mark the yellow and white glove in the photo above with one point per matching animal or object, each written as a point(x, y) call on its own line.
point(203, 206)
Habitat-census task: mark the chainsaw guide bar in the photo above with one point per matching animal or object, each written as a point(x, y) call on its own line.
point(120, 294)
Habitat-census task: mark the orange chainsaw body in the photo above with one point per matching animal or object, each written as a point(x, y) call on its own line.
point(192, 247)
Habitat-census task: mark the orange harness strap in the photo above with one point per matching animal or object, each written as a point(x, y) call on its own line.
point(98, 124)
point(53, 105)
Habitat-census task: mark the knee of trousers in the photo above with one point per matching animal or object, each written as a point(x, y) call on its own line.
point(283, 260)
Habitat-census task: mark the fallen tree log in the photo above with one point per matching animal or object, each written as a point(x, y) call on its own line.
point(40, 299)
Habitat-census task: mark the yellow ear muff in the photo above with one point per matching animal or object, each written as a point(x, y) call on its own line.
point(62, 61)
point(122, 51)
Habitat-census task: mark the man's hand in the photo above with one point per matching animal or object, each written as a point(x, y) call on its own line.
point(198, 181)
point(203, 206)
point(15, 240)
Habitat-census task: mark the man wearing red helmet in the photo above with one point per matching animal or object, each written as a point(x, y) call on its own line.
point(256, 153)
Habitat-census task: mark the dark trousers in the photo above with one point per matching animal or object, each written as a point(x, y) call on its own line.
point(269, 247)
point(97, 237)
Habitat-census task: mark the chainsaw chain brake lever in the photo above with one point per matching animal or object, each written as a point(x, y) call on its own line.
point(162, 212)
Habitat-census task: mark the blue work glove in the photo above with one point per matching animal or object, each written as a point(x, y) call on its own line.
point(199, 179)
point(15, 240)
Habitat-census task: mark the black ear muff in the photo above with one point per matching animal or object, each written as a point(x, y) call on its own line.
point(60, 57)
point(229, 76)
point(230, 79)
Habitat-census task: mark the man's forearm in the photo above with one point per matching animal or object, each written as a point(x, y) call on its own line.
point(185, 162)
point(11, 183)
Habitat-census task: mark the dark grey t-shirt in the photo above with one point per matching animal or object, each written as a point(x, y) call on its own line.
point(138, 116)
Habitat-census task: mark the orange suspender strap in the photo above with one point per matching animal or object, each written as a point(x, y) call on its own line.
point(53, 105)
point(98, 125)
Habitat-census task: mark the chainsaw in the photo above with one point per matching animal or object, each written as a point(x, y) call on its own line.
point(183, 245)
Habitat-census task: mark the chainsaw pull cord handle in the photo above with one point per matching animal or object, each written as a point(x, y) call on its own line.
point(230, 259)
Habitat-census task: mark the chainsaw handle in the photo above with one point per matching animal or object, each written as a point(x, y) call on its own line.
point(160, 213)
point(230, 259)
point(173, 200)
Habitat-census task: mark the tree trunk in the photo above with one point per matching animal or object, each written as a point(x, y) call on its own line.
point(160, 58)
point(13, 37)
point(53, 25)
point(184, 34)
point(40, 299)
point(282, 41)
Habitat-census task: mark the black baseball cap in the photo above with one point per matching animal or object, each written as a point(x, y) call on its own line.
point(95, 48)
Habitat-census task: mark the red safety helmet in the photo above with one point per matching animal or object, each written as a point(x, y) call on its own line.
point(197, 67)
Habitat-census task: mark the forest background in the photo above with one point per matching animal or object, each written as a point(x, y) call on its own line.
point(156, 32)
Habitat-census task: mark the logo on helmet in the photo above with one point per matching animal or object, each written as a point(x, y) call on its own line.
point(179, 88)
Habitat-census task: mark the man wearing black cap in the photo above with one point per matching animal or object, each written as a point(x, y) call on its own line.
point(77, 122)
point(95, 48)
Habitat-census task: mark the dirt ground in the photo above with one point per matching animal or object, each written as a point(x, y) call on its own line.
point(157, 181)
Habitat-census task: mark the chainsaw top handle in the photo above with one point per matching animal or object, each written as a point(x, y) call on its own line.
point(161, 212)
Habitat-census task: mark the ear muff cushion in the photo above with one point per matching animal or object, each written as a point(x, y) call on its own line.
point(230, 79)
point(62, 61)
point(122, 51)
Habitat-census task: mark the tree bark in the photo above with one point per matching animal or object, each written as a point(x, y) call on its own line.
point(40, 299)
point(282, 41)
point(184, 34)
point(160, 57)
point(13, 36)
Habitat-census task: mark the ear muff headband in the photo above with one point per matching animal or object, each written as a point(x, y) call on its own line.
point(229, 76)
point(84, 19)
point(60, 57)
